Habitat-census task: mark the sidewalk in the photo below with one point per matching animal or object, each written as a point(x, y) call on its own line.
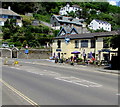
point(89, 68)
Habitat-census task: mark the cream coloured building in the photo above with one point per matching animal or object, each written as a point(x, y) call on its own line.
point(86, 43)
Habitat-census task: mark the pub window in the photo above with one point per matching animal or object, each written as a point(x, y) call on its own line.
point(92, 43)
point(76, 44)
point(59, 44)
point(84, 43)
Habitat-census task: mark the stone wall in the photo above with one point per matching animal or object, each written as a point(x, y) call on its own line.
point(33, 54)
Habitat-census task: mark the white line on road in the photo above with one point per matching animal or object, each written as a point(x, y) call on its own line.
point(20, 94)
point(61, 77)
point(118, 94)
point(79, 81)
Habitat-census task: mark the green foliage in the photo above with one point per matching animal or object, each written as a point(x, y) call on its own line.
point(27, 20)
point(115, 41)
point(45, 18)
point(34, 36)
point(55, 32)
point(72, 14)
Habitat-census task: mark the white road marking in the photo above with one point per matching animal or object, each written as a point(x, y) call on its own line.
point(118, 94)
point(59, 76)
point(20, 94)
point(78, 81)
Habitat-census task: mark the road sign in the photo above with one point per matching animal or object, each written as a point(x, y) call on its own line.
point(26, 51)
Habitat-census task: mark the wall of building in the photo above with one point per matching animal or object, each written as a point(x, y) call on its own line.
point(96, 25)
point(66, 49)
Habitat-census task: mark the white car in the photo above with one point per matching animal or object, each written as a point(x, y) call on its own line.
point(5, 45)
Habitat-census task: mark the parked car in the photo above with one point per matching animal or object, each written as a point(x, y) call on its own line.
point(5, 45)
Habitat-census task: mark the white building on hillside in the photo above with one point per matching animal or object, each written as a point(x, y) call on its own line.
point(67, 9)
point(9, 14)
point(99, 24)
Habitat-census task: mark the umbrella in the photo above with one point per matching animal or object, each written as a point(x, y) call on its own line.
point(75, 52)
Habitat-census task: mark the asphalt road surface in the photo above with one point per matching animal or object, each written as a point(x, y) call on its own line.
point(45, 83)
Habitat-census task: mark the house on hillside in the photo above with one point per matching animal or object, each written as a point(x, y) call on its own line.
point(67, 9)
point(58, 21)
point(88, 44)
point(99, 24)
point(9, 14)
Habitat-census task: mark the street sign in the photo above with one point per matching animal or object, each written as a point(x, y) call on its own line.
point(26, 51)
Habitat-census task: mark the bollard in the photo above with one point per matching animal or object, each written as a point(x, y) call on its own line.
point(5, 61)
point(16, 62)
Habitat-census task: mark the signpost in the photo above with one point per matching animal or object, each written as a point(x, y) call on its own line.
point(26, 52)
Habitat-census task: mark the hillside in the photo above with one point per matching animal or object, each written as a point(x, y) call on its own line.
point(44, 10)
point(38, 36)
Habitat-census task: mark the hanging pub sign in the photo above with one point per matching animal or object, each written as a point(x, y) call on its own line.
point(67, 40)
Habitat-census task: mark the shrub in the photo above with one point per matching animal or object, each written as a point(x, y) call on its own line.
point(79, 59)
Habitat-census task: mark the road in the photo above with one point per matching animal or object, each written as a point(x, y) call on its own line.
point(46, 83)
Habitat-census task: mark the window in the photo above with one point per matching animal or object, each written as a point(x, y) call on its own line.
point(59, 44)
point(76, 44)
point(92, 43)
point(4, 16)
point(0, 22)
point(84, 43)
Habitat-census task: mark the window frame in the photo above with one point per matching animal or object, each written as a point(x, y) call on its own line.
point(76, 43)
point(84, 43)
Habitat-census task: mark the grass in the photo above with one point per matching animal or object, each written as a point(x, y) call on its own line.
point(45, 18)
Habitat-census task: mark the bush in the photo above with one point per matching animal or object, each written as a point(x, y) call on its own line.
point(79, 59)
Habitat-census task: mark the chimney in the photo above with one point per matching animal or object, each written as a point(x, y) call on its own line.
point(9, 8)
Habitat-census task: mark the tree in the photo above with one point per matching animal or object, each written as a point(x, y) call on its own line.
point(115, 41)
point(72, 14)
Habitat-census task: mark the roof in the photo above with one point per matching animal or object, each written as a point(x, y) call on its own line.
point(76, 6)
point(89, 35)
point(67, 30)
point(8, 12)
point(101, 21)
point(68, 20)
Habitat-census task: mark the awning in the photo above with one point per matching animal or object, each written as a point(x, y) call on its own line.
point(75, 52)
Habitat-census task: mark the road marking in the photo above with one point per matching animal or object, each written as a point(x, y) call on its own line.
point(78, 81)
point(81, 68)
point(20, 94)
point(118, 94)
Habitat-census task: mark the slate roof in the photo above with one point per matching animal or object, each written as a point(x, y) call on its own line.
point(67, 30)
point(68, 19)
point(101, 21)
point(89, 35)
point(8, 12)
point(76, 6)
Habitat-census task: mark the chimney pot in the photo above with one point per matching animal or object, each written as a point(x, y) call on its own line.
point(9, 8)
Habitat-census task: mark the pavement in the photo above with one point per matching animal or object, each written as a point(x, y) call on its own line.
point(52, 62)
point(97, 68)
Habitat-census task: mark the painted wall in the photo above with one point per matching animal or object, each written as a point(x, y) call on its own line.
point(66, 49)
point(96, 25)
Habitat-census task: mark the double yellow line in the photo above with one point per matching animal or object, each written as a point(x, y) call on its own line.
point(20, 94)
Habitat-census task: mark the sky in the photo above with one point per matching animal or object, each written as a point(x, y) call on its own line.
point(113, 2)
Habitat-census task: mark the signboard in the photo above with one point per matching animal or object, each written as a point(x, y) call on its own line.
point(67, 40)
point(58, 49)
point(26, 51)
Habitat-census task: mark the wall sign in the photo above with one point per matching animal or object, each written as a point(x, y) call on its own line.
point(58, 49)
point(67, 40)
